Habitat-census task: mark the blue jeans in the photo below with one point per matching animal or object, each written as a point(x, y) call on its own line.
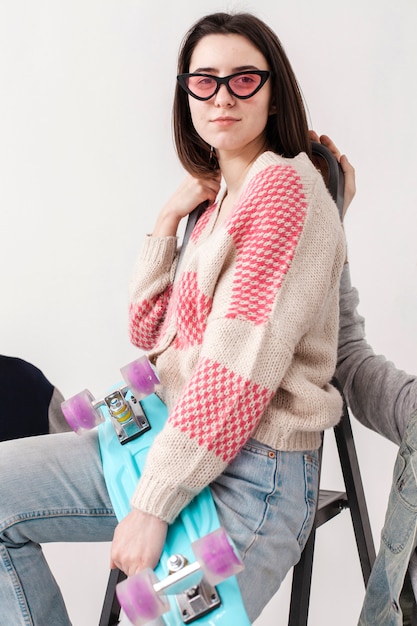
point(398, 539)
point(266, 500)
point(52, 490)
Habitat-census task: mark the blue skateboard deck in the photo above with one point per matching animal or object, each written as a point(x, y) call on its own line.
point(122, 466)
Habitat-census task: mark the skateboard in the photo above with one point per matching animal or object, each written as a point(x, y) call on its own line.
point(194, 581)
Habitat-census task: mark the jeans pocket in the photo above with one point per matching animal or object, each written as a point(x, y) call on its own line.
point(404, 476)
point(399, 526)
point(401, 513)
point(311, 479)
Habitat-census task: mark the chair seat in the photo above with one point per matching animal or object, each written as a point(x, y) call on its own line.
point(330, 504)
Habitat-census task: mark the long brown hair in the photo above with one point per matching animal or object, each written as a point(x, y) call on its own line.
point(287, 128)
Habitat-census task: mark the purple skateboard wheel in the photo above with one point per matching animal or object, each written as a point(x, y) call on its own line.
point(217, 557)
point(140, 377)
point(80, 413)
point(139, 600)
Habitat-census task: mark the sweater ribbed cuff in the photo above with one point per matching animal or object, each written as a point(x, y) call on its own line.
point(158, 249)
point(160, 499)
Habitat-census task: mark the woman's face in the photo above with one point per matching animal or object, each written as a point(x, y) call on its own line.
point(227, 123)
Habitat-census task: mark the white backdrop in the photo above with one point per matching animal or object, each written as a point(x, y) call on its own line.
point(86, 160)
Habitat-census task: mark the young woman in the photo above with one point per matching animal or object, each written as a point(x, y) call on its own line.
point(244, 341)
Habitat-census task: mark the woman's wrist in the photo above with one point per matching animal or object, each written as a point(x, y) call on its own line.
point(166, 224)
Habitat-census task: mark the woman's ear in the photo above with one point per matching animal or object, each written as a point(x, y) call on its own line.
point(272, 108)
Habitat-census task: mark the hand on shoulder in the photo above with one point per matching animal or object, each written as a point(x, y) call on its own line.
point(347, 167)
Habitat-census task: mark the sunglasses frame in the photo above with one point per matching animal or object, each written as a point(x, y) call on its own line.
point(182, 80)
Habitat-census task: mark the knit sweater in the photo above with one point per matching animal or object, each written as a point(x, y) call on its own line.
point(245, 339)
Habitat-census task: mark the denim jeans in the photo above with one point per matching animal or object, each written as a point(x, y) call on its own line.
point(398, 539)
point(266, 500)
point(52, 490)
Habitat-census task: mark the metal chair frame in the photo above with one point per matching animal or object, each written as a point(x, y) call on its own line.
point(330, 504)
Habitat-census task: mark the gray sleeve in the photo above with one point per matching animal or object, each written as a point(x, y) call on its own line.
point(379, 395)
point(56, 419)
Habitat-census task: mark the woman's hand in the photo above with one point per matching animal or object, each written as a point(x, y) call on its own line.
point(192, 192)
point(137, 542)
point(347, 168)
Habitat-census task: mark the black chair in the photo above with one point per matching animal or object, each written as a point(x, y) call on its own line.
point(110, 613)
point(331, 503)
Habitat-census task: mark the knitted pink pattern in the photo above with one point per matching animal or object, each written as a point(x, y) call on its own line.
point(222, 426)
point(202, 222)
point(245, 341)
point(192, 313)
point(151, 313)
point(217, 407)
point(266, 240)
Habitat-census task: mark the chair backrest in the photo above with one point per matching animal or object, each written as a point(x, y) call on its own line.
point(331, 171)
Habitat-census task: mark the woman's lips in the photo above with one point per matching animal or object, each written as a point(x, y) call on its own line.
point(224, 120)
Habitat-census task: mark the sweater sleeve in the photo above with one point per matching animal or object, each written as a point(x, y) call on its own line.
point(380, 396)
point(150, 290)
point(284, 253)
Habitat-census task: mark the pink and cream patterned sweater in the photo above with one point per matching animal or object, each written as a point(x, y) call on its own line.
point(245, 339)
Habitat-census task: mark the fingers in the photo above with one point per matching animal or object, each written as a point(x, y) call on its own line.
point(350, 183)
point(347, 168)
point(314, 136)
point(137, 543)
point(191, 193)
point(211, 186)
point(326, 141)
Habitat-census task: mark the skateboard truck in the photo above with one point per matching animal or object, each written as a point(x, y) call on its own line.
point(195, 601)
point(83, 411)
point(129, 419)
point(143, 597)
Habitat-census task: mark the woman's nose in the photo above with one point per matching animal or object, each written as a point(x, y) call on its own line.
point(223, 97)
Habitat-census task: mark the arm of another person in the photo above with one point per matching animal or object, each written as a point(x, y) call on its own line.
point(380, 396)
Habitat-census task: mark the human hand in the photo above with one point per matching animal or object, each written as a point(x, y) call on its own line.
point(137, 542)
point(347, 168)
point(191, 193)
